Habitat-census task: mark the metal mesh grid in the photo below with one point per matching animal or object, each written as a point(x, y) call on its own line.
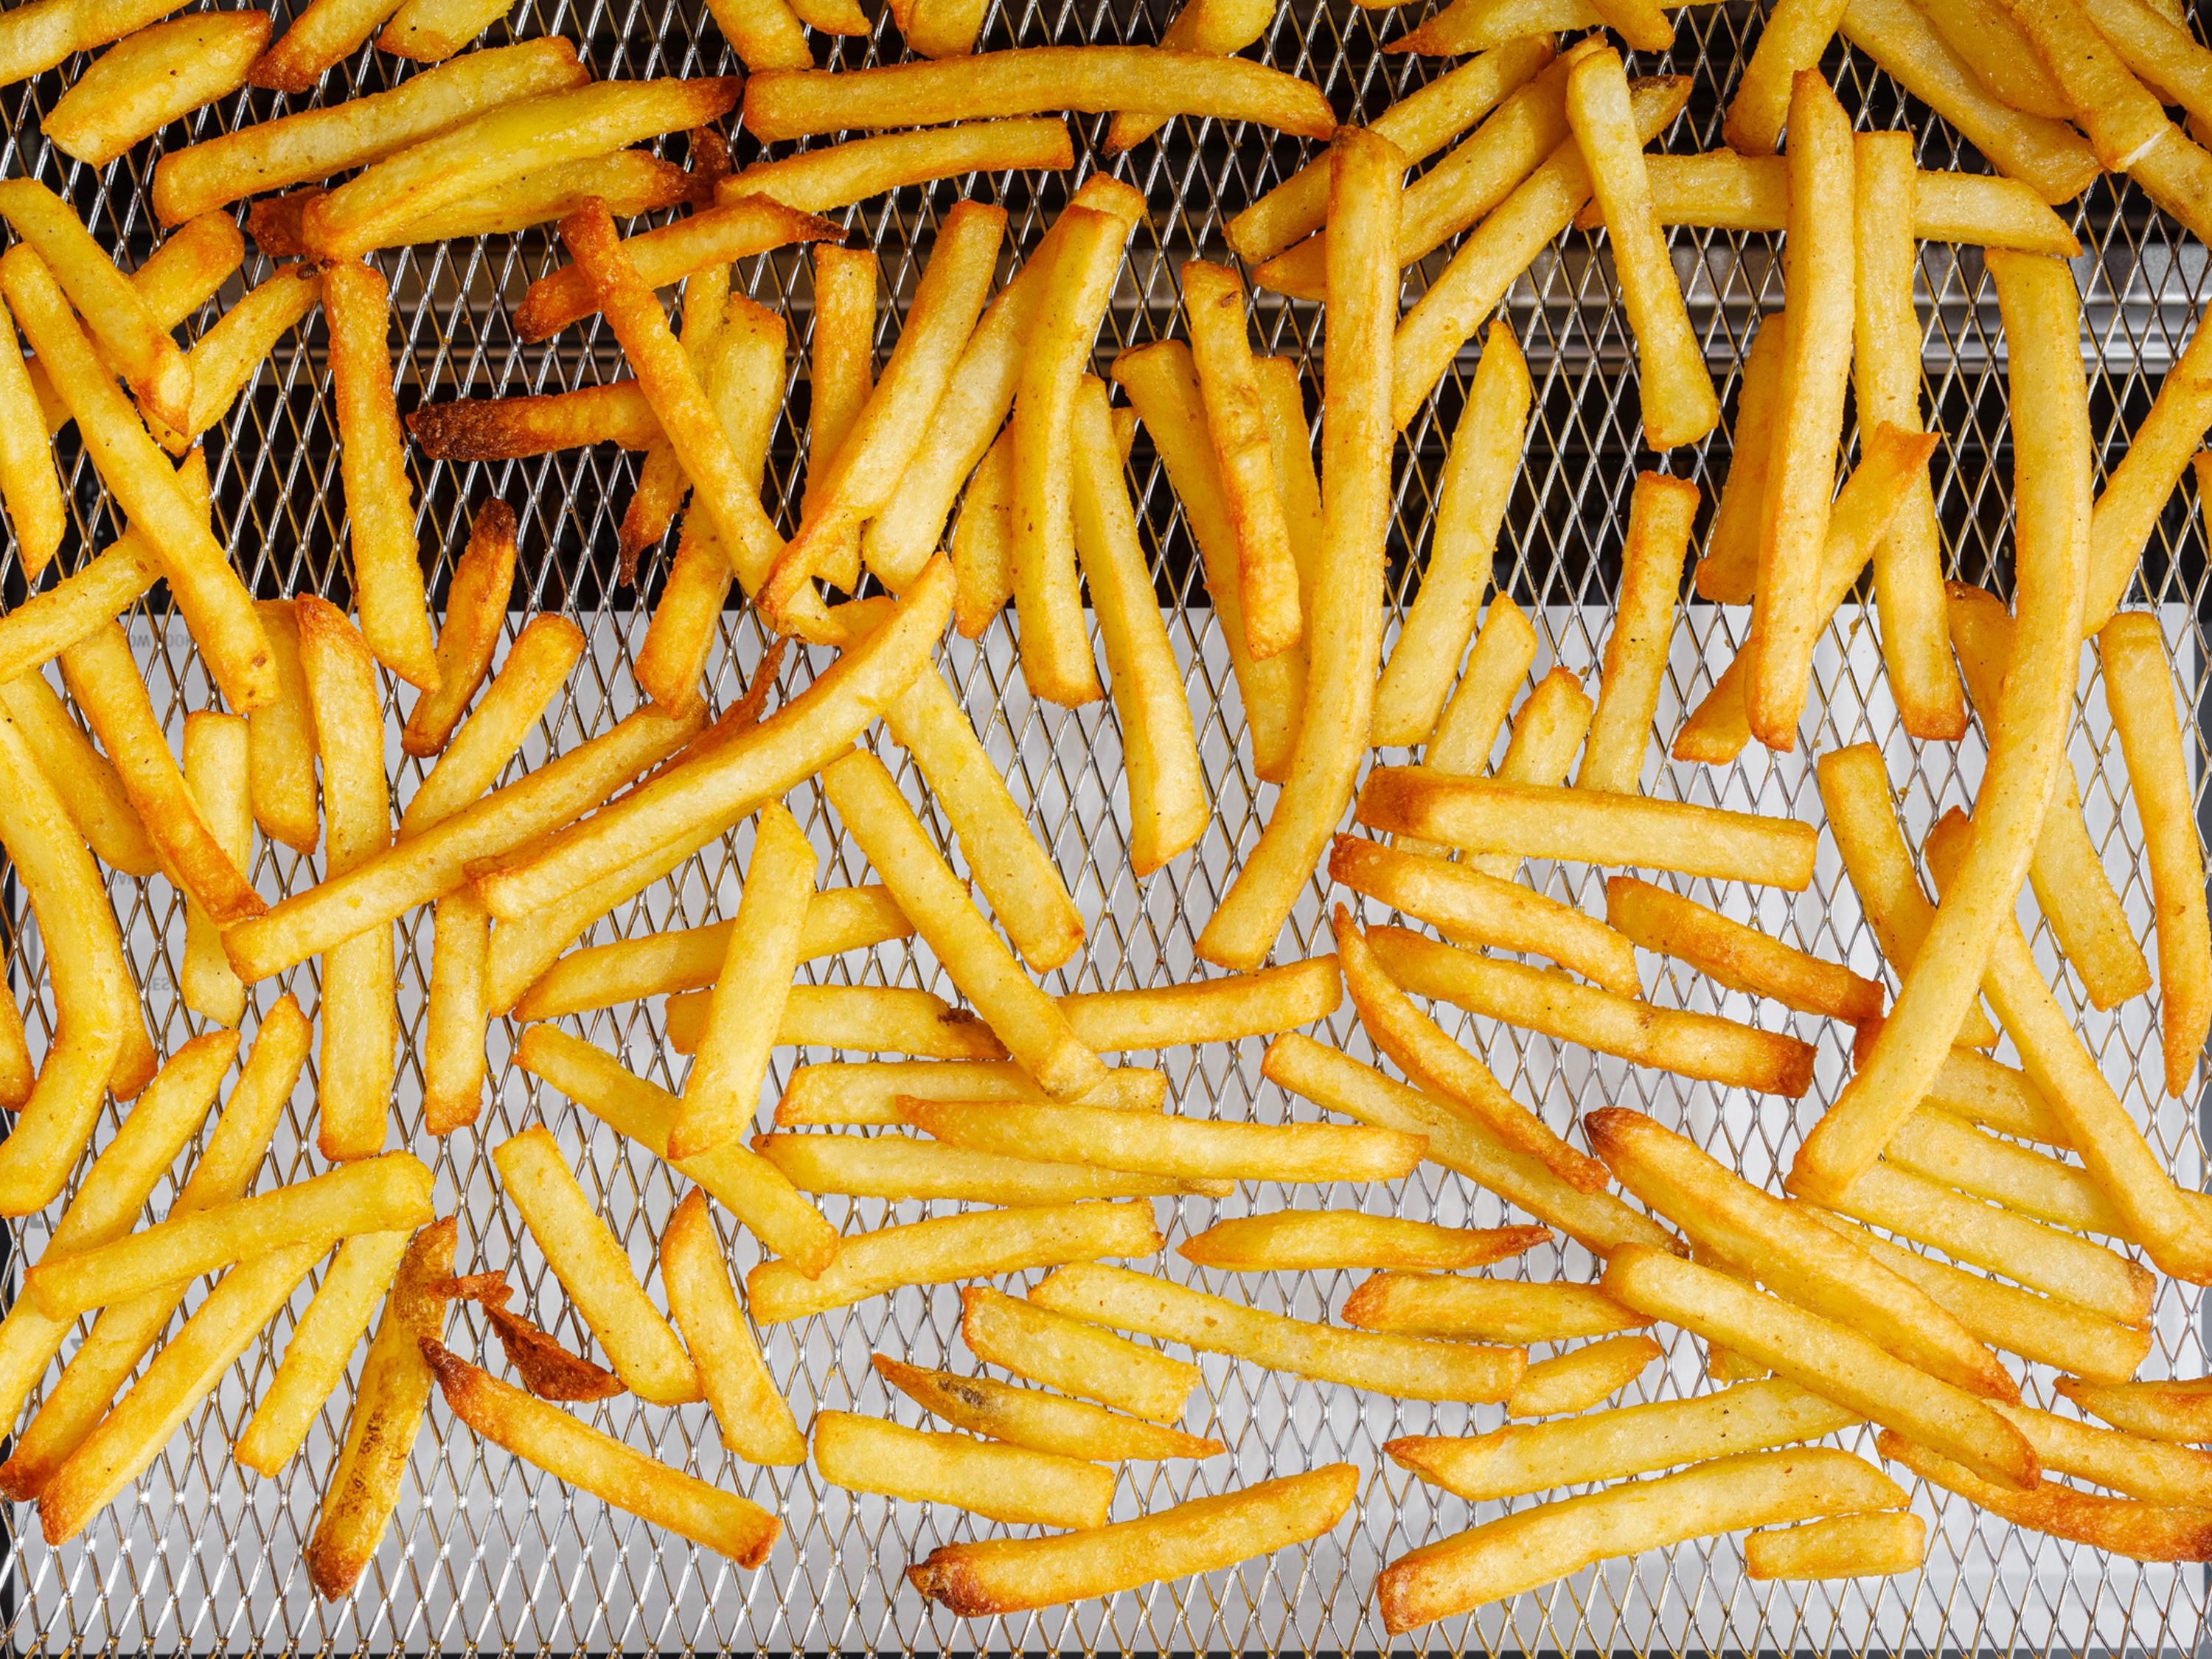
point(486, 1553)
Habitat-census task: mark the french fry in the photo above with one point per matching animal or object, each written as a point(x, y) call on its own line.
point(722, 1092)
point(233, 352)
point(1838, 1361)
point(1206, 1011)
point(1659, 525)
point(201, 580)
point(89, 785)
point(215, 772)
point(998, 1576)
point(2158, 46)
point(1162, 382)
point(119, 1337)
point(2003, 59)
point(2068, 872)
point(1944, 1149)
point(841, 376)
point(1792, 41)
point(376, 1195)
point(475, 611)
point(1365, 183)
point(548, 1370)
point(901, 1167)
point(874, 1019)
point(46, 623)
point(1753, 1236)
point(748, 1186)
point(1419, 124)
point(317, 144)
point(1446, 1069)
point(360, 1013)
point(1218, 28)
point(1589, 1376)
point(1445, 1306)
point(188, 1367)
point(1034, 1030)
point(593, 1269)
point(1532, 1547)
point(983, 540)
point(1691, 1045)
point(431, 31)
point(1742, 958)
point(721, 787)
point(1908, 561)
point(833, 16)
point(535, 668)
point(1539, 207)
point(1153, 80)
point(1013, 1484)
point(1404, 1367)
point(871, 1091)
point(2147, 1532)
point(2174, 1228)
point(1679, 405)
point(1808, 411)
point(1143, 1143)
point(548, 1437)
point(1043, 1421)
point(104, 681)
point(2047, 1329)
point(1467, 731)
point(838, 175)
point(457, 1014)
point(2139, 691)
point(1522, 1458)
point(861, 476)
point(503, 428)
point(28, 482)
point(1292, 1241)
point(2178, 1411)
point(2048, 155)
point(1478, 481)
point(983, 1244)
point(1843, 1546)
point(1979, 1090)
point(1168, 806)
point(322, 1343)
point(1598, 1221)
point(2155, 1471)
point(16, 1073)
point(1074, 1357)
point(754, 1416)
point(317, 36)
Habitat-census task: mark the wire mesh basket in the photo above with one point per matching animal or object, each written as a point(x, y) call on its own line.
point(486, 1553)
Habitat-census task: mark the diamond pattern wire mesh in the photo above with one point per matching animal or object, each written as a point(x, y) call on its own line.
point(485, 1553)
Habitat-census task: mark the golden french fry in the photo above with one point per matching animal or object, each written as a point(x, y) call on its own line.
point(1074, 1357)
point(1742, 958)
point(1345, 631)
point(1143, 1143)
point(1745, 1232)
point(1588, 1377)
point(2139, 691)
point(1206, 1011)
point(2178, 1411)
point(1843, 1546)
point(1043, 1421)
point(1728, 571)
point(119, 1337)
point(87, 782)
point(982, 539)
point(998, 1576)
point(1945, 1149)
point(501, 429)
point(838, 175)
point(28, 482)
point(873, 1019)
point(1659, 525)
point(1979, 1089)
point(233, 352)
point(1218, 28)
point(1808, 411)
point(1409, 1368)
point(317, 36)
point(1522, 1458)
point(547, 1436)
point(2147, 1532)
point(1598, 1221)
point(593, 1269)
point(1691, 1045)
point(431, 31)
point(281, 740)
point(1467, 729)
point(322, 1343)
point(1290, 1241)
point(16, 1075)
point(359, 1014)
point(871, 1091)
point(476, 612)
point(1512, 1310)
point(1990, 40)
point(535, 668)
point(841, 376)
point(755, 1418)
point(981, 1244)
point(2155, 43)
point(1679, 405)
point(1795, 36)
point(901, 1167)
point(457, 1015)
point(215, 772)
point(2155, 1471)
point(1013, 1484)
point(747, 1185)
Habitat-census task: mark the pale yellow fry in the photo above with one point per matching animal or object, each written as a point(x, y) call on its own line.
point(457, 1017)
point(2139, 691)
point(2173, 1411)
point(475, 615)
point(750, 1186)
point(1843, 1546)
point(85, 779)
point(1990, 41)
point(1034, 1418)
point(2137, 488)
point(1345, 630)
point(754, 1416)
point(1012, 1483)
point(981, 1244)
point(1478, 482)
point(870, 1091)
point(431, 31)
point(322, 1343)
point(1947, 1149)
point(216, 772)
point(1206, 1011)
point(1588, 1377)
point(1298, 1240)
point(2051, 516)
point(2156, 44)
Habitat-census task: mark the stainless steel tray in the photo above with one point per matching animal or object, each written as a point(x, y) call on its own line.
point(487, 1554)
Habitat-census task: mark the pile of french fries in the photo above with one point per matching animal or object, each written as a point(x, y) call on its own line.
point(1946, 1209)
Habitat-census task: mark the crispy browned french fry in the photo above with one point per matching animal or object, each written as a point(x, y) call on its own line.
point(1795, 35)
point(837, 175)
point(281, 740)
point(317, 35)
point(2147, 1532)
point(1728, 571)
point(1740, 958)
point(998, 1576)
point(500, 429)
point(1447, 1306)
point(873, 1091)
point(1345, 630)
point(476, 612)
point(1296, 1240)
